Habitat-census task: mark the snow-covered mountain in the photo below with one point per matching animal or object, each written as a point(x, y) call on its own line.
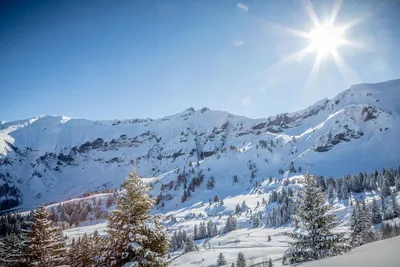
point(48, 158)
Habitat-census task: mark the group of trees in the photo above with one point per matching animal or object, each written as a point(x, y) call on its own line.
point(343, 186)
point(71, 214)
point(341, 189)
point(240, 261)
point(180, 240)
point(11, 196)
point(133, 235)
point(11, 223)
point(41, 244)
point(205, 230)
point(361, 225)
point(283, 211)
point(316, 220)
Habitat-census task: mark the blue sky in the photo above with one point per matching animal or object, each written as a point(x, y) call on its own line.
point(138, 59)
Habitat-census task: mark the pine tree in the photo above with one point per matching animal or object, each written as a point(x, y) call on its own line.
point(345, 190)
point(13, 251)
point(202, 230)
point(134, 234)
point(317, 221)
point(221, 260)
point(395, 206)
point(385, 190)
point(376, 213)
point(231, 224)
point(86, 252)
point(241, 260)
point(270, 263)
point(46, 243)
point(195, 232)
point(397, 182)
point(238, 209)
point(361, 226)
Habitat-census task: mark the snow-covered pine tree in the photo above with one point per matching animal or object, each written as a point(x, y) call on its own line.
point(133, 234)
point(385, 190)
point(270, 263)
point(397, 181)
point(214, 231)
point(376, 213)
point(361, 226)
point(13, 251)
point(238, 209)
point(345, 190)
point(231, 224)
point(317, 220)
point(221, 260)
point(395, 206)
point(86, 252)
point(45, 242)
point(196, 232)
point(202, 230)
point(241, 260)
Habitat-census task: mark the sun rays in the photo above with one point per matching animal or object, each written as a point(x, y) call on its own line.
point(325, 40)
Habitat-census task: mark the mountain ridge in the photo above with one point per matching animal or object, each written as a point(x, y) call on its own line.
point(49, 158)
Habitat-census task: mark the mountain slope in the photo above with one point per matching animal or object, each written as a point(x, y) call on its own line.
point(380, 253)
point(49, 158)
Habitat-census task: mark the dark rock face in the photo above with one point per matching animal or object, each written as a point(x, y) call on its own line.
point(369, 113)
point(67, 159)
point(345, 136)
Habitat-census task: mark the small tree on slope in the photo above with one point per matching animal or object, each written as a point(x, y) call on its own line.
point(134, 235)
point(46, 243)
point(221, 260)
point(317, 220)
point(241, 260)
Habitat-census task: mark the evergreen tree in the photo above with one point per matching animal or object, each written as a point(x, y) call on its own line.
point(317, 221)
point(270, 263)
point(241, 260)
point(133, 234)
point(46, 243)
point(238, 209)
point(345, 191)
point(195, 232)
point(221, 260)
point(376, 213)
point(86, 252)
point(397, 182)
point(361, 226)
point(13, 251)
point(395, 206)
point(385, 190)
point(202, 230)
point(230, 224)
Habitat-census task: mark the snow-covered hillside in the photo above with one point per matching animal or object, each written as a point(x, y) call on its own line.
point(381, 253)
point(46, 159)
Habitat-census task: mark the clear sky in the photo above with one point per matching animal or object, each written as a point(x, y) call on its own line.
point(143, 58)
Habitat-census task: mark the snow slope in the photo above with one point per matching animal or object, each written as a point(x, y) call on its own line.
point(383, 253)
point(46, 159)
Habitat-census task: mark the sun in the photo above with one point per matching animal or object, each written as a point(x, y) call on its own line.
point(325, 40)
